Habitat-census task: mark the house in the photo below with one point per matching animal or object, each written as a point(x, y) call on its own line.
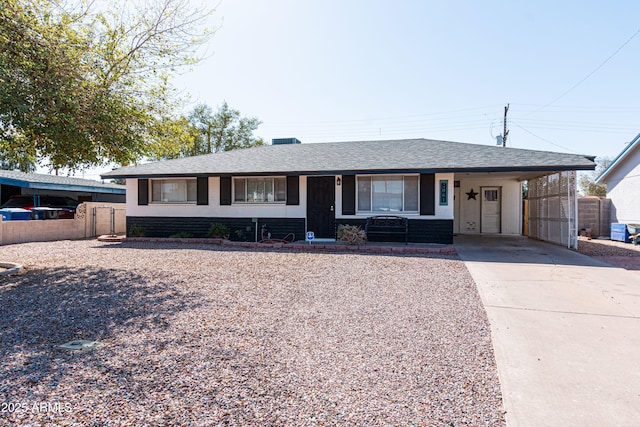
point(443, 188)
point(622, 179)
point(15, 183)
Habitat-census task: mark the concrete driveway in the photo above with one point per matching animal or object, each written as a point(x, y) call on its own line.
point(565, 329)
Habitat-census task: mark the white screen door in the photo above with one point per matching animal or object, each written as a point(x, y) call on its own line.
point(490, 210)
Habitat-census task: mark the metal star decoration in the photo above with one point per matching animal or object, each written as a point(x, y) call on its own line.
point(471, 195)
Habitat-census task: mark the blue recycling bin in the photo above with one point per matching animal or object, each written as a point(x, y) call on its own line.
point(15, 214)
point(620, 232)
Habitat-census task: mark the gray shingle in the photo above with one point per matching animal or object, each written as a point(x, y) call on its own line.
point(414, 155)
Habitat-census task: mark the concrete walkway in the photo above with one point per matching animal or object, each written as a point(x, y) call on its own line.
point(565, 329)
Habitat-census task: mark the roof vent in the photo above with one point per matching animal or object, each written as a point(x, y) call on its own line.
point(285, 141)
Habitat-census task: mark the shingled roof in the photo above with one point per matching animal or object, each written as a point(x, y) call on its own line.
point(54, 182)
point(400, 156)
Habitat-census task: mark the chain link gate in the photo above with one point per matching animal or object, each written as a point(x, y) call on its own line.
point(104, 220)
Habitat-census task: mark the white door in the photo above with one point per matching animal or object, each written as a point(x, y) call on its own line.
point(490, 210)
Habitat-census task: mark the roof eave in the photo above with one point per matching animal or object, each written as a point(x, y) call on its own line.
point(619, 158)
point(61, 187)
point(551, 168)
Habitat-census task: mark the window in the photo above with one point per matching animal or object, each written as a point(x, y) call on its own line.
point(259, 190)
point(491, 195)
point(174, 191)
point(388, 193)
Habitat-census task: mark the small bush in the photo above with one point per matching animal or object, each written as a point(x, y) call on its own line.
point(136, 231)
point(241, 235)
point(351, 235)
point(218, 231)
point(181, 235)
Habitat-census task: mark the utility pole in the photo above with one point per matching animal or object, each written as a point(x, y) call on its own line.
point(505, 131)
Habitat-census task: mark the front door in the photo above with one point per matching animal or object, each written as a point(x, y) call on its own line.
point(321, 198)
point(491, 214)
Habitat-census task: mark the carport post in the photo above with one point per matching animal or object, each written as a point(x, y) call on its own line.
point(574, 238)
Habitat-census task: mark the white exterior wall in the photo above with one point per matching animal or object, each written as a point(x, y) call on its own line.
point(213, 209)
point(623, 188)
point(265, 210)
point(511, 207)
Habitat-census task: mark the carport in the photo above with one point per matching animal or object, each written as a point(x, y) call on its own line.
point(15, 183)
point(492, 204)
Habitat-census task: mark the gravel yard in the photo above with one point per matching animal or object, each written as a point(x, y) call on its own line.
point(618, 254)
point(202, 336)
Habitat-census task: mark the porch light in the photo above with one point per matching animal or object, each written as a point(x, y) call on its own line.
point(339, 181)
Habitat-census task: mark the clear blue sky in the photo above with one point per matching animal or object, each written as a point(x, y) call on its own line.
point(358, 70)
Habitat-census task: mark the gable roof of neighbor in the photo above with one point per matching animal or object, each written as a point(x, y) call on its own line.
point(620, 159)
point(52, 182)
point(400, 156)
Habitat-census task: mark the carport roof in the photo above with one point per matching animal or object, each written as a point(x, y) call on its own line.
point(52, 182)
point(393, 156)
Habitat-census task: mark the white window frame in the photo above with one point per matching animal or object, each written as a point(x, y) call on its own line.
point(246, 179)
point(179, 181)
point(390, 212)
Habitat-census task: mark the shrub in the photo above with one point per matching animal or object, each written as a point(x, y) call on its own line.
point(181, 235)
point(241, 235)
point(136, 231)
point(351, 235)
point(218, 231)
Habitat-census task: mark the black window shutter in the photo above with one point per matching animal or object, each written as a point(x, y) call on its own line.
point(143, 192)
point(293, 190)
point(348, 194)
point(202, 184)
point(225, 190)
point(427, 194)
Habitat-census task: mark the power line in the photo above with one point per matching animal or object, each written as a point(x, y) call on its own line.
point(396, 118)
point(595, 70)
point(543, 139)
point(582, 108)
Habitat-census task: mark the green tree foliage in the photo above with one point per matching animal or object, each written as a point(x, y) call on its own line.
point(203, 132)
point(172, 138)
point(588, 186)
point(82, 86)
point(17, 154)
point(223, 130)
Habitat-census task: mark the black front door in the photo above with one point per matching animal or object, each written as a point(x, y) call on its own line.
point(321, 198)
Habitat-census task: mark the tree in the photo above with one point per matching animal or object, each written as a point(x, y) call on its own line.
point(172, 138)
point(588, 186)
point(17, 155)
point(202, 119)
point(80, 86)
point(203, 132)
point(223, 131)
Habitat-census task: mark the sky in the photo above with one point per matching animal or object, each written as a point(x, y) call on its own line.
point(324, 71)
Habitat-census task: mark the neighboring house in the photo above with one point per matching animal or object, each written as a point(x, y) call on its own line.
point(443, 188)
point(622, 178)
point(15, 183)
